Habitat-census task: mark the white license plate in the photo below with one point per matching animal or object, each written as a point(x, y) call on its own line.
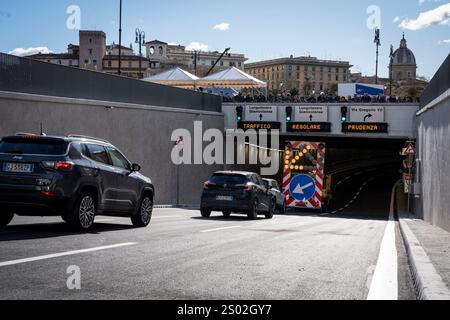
point(224, 198)
point(18, 167)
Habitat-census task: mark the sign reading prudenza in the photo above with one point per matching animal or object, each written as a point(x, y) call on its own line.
point(311, 114)
point(261, 113)
point(367, 114)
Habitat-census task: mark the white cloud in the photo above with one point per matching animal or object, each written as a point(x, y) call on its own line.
point(21, 52)
point(439, 15)
point(421, 2)
point(396, 19)
point(444, 41)
point(224, 26)
point(197, 46)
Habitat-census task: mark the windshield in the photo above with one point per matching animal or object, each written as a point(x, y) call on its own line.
point(33, 147)
point(222, 179)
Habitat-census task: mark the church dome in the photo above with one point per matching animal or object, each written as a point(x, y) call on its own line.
point(403, 56)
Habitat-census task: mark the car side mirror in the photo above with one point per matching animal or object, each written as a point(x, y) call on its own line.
point(135, 167)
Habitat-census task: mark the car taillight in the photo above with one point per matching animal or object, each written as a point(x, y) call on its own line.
point(246, 187)
point(60, 165)
point(64, 166)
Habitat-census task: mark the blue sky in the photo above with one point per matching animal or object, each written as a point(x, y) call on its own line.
point(261, 29)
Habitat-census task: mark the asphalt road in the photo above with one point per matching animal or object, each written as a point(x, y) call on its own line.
point(183, 256)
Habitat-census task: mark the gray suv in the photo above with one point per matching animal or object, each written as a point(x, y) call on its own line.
point(75, 177)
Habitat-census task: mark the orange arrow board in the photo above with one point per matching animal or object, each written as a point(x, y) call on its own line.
point(410, 150)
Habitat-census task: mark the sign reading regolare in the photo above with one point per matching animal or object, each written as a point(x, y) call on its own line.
point(367, 114)
point(311, 114)
point(261, 113)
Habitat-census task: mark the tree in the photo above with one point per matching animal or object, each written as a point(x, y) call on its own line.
point(294, 92)
point(307, 87)
point(334, 89)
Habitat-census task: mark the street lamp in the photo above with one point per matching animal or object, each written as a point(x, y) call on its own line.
point(119, 71)
point(195, 59)
point(140, 39)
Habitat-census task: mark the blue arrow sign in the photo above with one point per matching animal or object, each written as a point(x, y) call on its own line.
point(303, 187)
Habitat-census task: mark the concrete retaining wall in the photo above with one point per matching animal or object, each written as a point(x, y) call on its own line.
point(433, 141)
point(142, 132)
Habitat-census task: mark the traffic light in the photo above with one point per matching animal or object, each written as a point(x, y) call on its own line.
point(289, 114)
point(239, 113)
point(344, 114)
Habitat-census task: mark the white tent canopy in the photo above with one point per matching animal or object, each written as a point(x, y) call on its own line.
point(231, 78)
point(176, 77)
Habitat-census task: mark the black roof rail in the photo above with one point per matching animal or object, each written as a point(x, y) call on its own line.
point(87, 138)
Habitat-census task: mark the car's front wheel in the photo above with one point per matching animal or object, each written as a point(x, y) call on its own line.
point(272, 208)
point(205, 213)
point(5, 219)
point(144, 216)
point(83, 214)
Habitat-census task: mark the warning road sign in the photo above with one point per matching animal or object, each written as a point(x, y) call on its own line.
point(410, 150)
point(303, 187)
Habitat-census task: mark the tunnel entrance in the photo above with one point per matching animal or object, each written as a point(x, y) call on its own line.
point(357, 172)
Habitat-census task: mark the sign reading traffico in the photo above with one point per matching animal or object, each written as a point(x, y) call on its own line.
point(261, 113)
point(309, 127)
point(353, 127)
point(248, 125)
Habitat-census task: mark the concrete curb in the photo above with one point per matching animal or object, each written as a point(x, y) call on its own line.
point(427, 281)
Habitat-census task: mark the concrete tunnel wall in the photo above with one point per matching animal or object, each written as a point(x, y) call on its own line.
point(142, 133)
point(433, 146)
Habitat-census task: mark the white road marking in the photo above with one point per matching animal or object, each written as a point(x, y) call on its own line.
point(166, 217)
point(219, 229)
point(64, 254)
point(104, 220)
point(385, 279)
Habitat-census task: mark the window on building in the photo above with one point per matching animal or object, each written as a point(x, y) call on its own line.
point(231, 64)
point(337, 70)
point(130, 64)
point(221, 63)
point(161, 51)
point(152, 50)
point(86, 61)
point(314, 69)
point(240, 64)
point(90, 51)
point(337, 78)
point(109, 63)
point(70, 63)
point(94, 62)
point(59, 62)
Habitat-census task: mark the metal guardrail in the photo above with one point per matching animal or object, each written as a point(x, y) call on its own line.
point(36, 77)
point(438, 85)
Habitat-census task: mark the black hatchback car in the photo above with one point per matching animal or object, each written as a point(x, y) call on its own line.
point(74, 177)
point(237, 192)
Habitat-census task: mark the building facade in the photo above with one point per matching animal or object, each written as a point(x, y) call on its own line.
point(93, 53)
point(403, 64)
point(305, 74)
point(164, 56)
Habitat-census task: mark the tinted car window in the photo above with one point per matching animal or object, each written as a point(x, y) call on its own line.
point(98, 153)
point(33, 147)
point(222, 179)
point(118, 160)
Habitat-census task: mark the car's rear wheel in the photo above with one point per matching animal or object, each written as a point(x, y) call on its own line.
point(143, 217)
point(226, 213)
point(83, 214)
point(205, 213)
point(5, 219)
point(253, 213)
point(272, 208)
